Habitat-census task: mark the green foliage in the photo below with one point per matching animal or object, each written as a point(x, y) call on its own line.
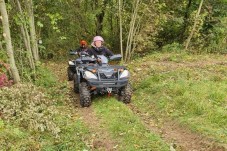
point(54, 18)
point(3, 55)
point(44, 77)
point(216, 39)
point(174, 47)
point(170, 31)
point(64, 25)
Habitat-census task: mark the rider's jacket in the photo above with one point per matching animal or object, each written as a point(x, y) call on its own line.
point(80, 49)
point(94, 51)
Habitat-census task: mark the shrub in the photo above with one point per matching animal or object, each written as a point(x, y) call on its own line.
point(174, 47)
point(26, 106)
point(44, 77)
point(4, 81)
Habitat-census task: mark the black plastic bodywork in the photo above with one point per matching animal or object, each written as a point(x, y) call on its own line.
point(108, 76)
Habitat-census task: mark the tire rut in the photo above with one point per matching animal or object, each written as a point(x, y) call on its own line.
point(100, 138)
point(179, 137)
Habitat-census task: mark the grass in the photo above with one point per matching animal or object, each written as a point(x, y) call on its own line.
point(189, 88)
point(13, 137)
point(195, 95)
point(125, 127)
point(73, 136)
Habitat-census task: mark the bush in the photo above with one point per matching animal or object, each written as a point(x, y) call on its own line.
point(44, 77)
point(4, 81)
point(174, 47)
point(26, 106)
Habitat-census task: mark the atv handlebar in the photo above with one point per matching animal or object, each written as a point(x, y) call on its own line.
point(73, 52)
point(116, 57)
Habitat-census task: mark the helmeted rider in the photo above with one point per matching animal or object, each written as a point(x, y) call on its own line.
point(83, 46)
point(97, 48)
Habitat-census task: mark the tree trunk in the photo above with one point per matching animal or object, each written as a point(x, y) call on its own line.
point(1, 48)
point(34, 44)
point(7, 36)
point(186, 16)
point(100, 17)
point(136, 31)
point(120, 26)
point(26, 37)
point(194, 26)
point(131, 34)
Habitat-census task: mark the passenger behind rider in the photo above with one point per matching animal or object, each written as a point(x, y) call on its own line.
point(97, 48)
point(83, 47)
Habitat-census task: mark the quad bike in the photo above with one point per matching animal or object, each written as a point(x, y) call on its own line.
point(93, 76)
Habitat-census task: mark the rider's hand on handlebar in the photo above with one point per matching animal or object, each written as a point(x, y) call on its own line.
point(99, 60)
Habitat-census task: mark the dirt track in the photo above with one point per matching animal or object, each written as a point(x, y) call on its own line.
point(179, 137)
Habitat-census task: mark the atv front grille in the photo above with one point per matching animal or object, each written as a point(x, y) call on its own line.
point(102, 76)
point(113, 76)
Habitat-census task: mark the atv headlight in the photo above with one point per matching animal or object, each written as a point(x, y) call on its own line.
point(89, 75)
point(71, 63)
point(124, 74)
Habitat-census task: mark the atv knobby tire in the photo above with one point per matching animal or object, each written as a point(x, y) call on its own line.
point(75, 84)
point(85, 97)
point(125, 94)
point(70, 74)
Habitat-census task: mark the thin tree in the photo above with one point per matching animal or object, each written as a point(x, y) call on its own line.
point(100, 15)
point(25, 34)
point(194, 26)
point(34, 45)
point(186, 16)
point(120, 27)
point(9, 46)
point(131, 34)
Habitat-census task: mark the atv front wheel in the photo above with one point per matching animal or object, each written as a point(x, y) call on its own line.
point(85, 97)
point(75, 84)
point(125, 94)
point(70, 74)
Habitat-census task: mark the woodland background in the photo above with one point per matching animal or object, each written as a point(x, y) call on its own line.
point(175, 51)
point(132, 28)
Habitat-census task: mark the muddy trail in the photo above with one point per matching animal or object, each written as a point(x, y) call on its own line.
point(177, 136)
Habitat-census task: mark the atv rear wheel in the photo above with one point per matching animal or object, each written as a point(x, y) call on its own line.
point(85, 96)
point(125, 94)
point(70, 74)
point(75, 84)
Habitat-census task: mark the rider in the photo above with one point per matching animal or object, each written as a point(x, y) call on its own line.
point(83, 47)
point(71, 68)
point(97, 48)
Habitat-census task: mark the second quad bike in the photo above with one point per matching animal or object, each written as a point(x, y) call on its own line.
point(93, 75)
